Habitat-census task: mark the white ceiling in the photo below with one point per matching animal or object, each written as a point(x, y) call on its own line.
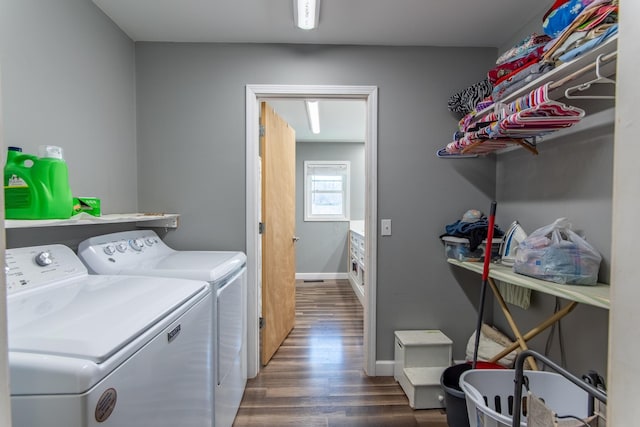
point(486, 23)
point(341, 120)
point(472, 23)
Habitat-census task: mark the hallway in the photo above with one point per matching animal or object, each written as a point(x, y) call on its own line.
point(316, 377)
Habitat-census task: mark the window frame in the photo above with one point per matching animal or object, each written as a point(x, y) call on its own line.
point(308, 191)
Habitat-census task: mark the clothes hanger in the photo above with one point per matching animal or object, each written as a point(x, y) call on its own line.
point(600, 79)
point(443, 154)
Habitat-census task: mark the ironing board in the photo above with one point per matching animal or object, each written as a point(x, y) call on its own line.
point(597, 296)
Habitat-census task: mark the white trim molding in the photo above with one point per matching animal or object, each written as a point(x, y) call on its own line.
point(322, 276)
point(384, 368)
point(254, 94)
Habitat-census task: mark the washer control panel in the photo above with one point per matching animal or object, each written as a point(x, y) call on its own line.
point(38, 266)
point(110, 253)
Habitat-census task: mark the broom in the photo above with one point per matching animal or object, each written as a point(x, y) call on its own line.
point(485, 278)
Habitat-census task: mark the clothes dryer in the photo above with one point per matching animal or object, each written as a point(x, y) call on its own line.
point(142, 252)
point(88, 351)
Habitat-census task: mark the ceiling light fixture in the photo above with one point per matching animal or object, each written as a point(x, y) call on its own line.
point(313, 114)
point(305, 13)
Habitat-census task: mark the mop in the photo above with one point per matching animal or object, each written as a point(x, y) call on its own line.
point(485, 278)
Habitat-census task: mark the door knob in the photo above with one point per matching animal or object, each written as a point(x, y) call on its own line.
point(296, 238)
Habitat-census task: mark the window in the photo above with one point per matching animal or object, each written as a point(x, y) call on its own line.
point(326, 191)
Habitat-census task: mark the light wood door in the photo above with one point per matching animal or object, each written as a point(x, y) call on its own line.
point(278, 145)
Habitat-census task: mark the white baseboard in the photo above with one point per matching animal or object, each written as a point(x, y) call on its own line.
point(384, 368)
point(321, 276)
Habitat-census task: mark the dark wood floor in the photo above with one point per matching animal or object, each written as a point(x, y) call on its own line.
point(316, 377)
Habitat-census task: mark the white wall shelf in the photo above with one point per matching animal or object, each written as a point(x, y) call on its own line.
point(590, 123)
point(571, 68)
point(140, 219)
point(570, 74)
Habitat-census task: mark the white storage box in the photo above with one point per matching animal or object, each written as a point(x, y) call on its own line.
point(420, 359)
point(487, 393)
point(458, 248)
point(422, 349)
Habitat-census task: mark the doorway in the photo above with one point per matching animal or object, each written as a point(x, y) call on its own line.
point(254, 94)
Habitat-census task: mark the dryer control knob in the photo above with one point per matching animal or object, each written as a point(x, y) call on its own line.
point(121, 247)
point(136, 244)
point(110, 249)
point(149, 241)
point(43, 259)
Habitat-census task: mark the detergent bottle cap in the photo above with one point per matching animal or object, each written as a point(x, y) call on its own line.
point(19, 149)
point(50, 151)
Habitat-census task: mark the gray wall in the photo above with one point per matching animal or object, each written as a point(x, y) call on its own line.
point(322, 247)
point(191, 138)
point(571, 177)
point(68, 79)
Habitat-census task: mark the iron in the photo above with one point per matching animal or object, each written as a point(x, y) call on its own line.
point(512, 238)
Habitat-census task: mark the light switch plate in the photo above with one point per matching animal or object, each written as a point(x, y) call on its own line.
point(385, 226)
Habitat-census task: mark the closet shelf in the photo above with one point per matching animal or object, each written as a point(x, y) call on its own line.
point(575, 76)
point(601, 119)
point(161, 220)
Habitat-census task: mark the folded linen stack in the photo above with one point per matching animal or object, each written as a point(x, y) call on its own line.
point(571, 28)
point(578, 26)
point(470, 99)
point(519, 65)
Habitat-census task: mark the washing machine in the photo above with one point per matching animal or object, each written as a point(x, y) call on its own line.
point(142, 252)
point(88, 351)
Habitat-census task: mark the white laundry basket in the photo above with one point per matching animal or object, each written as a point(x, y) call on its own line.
point(489, 394)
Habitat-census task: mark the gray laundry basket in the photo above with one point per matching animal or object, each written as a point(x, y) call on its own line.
point(488, 393)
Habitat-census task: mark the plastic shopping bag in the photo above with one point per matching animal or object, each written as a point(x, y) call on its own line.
point(558, 254)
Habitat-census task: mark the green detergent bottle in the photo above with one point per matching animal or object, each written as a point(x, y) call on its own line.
point(37, 187)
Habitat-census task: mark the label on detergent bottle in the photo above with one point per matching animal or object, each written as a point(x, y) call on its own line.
point(19, 195)
point(16, 181)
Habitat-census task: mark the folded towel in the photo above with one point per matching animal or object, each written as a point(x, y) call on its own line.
point(515, 295)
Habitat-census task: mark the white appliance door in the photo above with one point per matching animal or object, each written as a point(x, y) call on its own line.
point(231, 341)
point(230, 325)
point(89, 320)
point(166, 383)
